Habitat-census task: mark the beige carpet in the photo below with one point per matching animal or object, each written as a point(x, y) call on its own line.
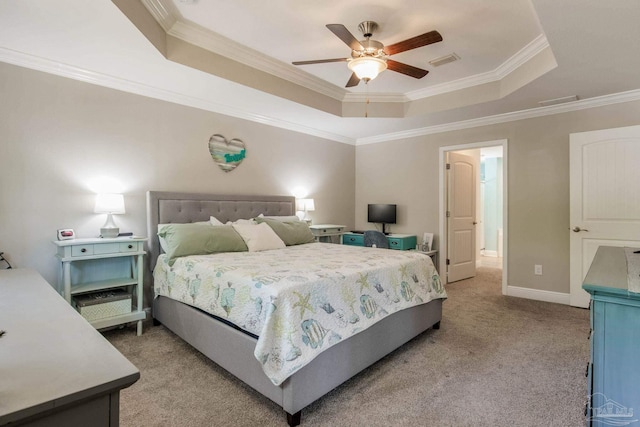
point(496, 361)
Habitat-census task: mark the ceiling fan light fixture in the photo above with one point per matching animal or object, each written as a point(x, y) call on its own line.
point(367, 67)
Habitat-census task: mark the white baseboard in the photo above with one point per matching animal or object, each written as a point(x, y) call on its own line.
point(538, 295)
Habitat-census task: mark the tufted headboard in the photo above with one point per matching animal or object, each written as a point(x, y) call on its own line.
point(170, 207)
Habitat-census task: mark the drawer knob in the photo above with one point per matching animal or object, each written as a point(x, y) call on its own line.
point(130, 246)
point(83, 250)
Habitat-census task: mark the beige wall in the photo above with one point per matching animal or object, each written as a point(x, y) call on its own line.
point(406, 172)
point(57, 135)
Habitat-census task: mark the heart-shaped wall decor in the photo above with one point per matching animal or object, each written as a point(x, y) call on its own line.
point(227, 154)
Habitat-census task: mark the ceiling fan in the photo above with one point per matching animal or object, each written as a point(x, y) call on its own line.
point(370, 57)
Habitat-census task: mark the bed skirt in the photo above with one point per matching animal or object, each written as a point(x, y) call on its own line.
point(322, 375)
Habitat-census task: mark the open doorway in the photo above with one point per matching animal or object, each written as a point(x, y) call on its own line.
point(488, 245)
point(490, 220)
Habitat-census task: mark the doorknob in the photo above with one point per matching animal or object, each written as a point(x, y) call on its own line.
point(577, 229)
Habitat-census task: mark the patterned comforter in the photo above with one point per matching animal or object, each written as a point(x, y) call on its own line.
point(303, 299)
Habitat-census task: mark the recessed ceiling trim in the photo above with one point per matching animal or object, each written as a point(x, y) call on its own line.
point(375, 97)
point(217, 43)
point(600, 101)
point(514, 62)
point(214, 42)
point(207, 39)
point(161, 12)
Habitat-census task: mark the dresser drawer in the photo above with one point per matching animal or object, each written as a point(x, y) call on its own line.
point(353, 239)
point(404, 243)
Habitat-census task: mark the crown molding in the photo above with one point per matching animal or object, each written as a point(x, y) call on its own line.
point(524, 55)
point(600, 101)
point(52, 67)
point(76, 73)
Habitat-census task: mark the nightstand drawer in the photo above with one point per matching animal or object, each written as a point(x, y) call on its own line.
point(128, 247)
point(353, 239)
point(404, 243)
point(82, 250)
point(107, 248)
point(319, 230)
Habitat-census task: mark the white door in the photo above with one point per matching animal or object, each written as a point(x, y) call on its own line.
point(461, 217)
point(605, 198)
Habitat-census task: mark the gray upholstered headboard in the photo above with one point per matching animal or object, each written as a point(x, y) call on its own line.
point(171, 207)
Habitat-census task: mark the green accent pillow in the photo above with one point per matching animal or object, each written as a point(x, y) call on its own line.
point(200, 239)
point(291, 232)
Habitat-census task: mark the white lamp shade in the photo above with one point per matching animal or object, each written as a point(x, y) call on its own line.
point(305, 205)
point(367, 67)
point(109, 203)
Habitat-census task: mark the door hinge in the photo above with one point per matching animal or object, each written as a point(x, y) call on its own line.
point(448, 165)
point(448, 214)
point(447, 261)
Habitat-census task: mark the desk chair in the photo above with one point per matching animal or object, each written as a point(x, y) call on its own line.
point(374, 238)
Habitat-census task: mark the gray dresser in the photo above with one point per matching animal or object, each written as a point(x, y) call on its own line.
point(55, 368)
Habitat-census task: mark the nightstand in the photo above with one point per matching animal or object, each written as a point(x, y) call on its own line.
point(326, 232)
point(103, 279)
point(434, 256)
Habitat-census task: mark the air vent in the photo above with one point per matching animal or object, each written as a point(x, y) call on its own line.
point(558, 100)
point(444, 60)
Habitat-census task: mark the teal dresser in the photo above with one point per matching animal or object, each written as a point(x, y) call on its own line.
point(614, 369)
point(402, 242)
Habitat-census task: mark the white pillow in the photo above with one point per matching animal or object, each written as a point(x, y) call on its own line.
point(283, 218)
point(215, 221)
point(242, 221)
point(259, 237)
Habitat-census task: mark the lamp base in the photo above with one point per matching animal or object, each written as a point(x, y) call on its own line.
point(109, 233)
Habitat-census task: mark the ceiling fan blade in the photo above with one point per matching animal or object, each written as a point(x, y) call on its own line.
point(414, 42)
point(319, 61)
point(353, 80)
point(344, 35)
point(409, 70)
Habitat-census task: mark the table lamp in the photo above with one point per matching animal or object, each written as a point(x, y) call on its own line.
point(303, 206)
point(110, 204)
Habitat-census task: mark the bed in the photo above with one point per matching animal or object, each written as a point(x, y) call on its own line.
point(233, 348)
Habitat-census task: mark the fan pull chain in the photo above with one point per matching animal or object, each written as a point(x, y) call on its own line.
point(366, 104)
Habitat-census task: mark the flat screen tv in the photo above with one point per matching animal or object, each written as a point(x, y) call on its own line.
point(381, 214)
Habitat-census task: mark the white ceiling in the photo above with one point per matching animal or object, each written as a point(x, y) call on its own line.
point(484, 33)
point(593, 43)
